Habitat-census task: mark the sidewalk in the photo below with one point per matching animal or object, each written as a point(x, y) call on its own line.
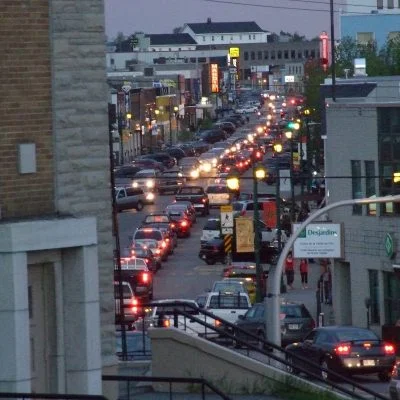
point(308, 296)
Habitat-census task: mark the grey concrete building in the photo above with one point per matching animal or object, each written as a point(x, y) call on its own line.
point(362, 153)
point(56, 246)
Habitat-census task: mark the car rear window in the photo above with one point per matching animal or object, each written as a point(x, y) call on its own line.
point(225, 302)
point(169, 310)
point(217, 189)
point(295, 311)
point(212, 225)
point(237, 206)
point(148, 234)
point(193, 190)
point(150, 219)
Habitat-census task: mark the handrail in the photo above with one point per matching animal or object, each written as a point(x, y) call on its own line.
point(270, 345)
point(201, 381)
point(21, 395)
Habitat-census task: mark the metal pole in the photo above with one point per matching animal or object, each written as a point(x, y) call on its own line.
point(278, 209)
point(333, 61)
point(259, 271)
point(292, 211)
point(273, 297)
point(117, 253)
point(170, 124)
point(121, 139)
point(308, 158)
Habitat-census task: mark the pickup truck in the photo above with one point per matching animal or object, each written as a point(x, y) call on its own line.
point(129, 198)
point(197, 196)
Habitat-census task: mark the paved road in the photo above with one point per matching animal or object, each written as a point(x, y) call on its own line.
point(185, 275)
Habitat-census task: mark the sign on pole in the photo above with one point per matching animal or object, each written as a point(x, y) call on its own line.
point(319, 240)
point(244, 235)
point(285, 180)
point(226, 217)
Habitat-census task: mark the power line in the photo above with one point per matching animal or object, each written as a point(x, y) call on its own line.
point(292, 8)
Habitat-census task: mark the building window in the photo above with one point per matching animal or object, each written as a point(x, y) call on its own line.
point(312, 53)
point(379, 4)
point(391, 298)
point(292, 54)
point(286, 54)
point(240, 37)
point(365, 37)
point(370, 189)
point(212, 38)
point(389, 156)
point(272, 54)
point(254, 37)
point(231, 37)
point(222, 37)
point(390, 4)
point(204, 38)
point(290, 70)
point(374, 296)
point(299, 55)
point(253, 55)
point(279, 54)
point(249, 37)
point(306, 53)
point(266, 55)
point(246, 55)
point(259, 55)
point(356, 186)
point(394, 35)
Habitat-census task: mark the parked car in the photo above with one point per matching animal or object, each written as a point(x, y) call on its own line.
point(218, 195)
point(211, 230)
point(170, 181)
point(176, 153)
point(148, 163)
point(296, 323)
point(163, 158)
point(213, 251)
point(346, 350)
point(123, 175)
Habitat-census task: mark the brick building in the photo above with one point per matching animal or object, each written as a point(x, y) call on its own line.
point(56, 267)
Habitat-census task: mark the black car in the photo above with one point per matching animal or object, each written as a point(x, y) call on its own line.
point(144, 252)
point(213, 251)
point(163, 158)
point(212, 136)
point(175, 152)
point(296, 323)
point(346, 350)
point(182, 222)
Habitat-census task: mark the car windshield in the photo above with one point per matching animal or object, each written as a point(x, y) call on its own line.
point(141, 174)
point(237, 206)
point(147, 243)
point(212, 225)
point(344, 335)
point(191, 190)
point(148, 234)
point(217, 189)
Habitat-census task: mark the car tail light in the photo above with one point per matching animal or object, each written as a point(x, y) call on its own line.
point(217, 323)
point(167, 239)
point(258, 154)
point(172, 225)
point(184, 223)
point(135, 304)
point(203, 199)
point(163, 245)
point(145, 277)
point(147, 260)
point(166, 323)
point(133, 252)
point(158, 251)
point(343, 349)
point(389, 349)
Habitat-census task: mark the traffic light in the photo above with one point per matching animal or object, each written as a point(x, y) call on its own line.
point(293, 125)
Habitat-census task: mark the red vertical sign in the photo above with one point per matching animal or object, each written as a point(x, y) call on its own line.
point(269, 214)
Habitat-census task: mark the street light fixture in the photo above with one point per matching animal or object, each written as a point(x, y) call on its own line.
point(259, 173)
point(289, 136)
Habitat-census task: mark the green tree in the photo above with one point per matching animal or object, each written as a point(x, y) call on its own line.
point(391, 55)
point(345, 53)
point(119, 40)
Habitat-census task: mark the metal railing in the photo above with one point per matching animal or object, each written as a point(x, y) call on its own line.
point(196, 385)
point(275, 356)
point(55, 396)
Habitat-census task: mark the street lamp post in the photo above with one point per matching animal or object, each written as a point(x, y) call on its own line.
point(273, 323)
point(258, 174)
point(289, 136)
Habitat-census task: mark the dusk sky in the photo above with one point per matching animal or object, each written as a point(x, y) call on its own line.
point(162, 16)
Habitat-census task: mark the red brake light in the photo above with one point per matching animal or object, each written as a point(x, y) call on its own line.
point(184, 223)
point(145, 277)
point(158, 251)
point(135, 304)
point(203, 199)
point(172, 225)
point(163, 245)
point(166, 323)
point(217, 323)
point(389, 349)
point(343, 349)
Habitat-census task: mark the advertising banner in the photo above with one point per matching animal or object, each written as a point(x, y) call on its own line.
point(269, 213)
point(244, 235)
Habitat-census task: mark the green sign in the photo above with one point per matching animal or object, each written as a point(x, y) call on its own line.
point(389, 245)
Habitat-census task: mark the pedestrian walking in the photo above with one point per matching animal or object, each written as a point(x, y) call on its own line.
point(326, 279)
point(289, 270)
point(304, 272)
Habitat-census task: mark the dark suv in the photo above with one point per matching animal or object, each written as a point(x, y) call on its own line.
point(163, 158)
point(296, 323)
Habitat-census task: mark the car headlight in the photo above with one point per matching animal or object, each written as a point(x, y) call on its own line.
point(207, 167)
point(150, 196)
point(214, 162)
point(150, 184)
point(135, 184)
point(194, 174)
